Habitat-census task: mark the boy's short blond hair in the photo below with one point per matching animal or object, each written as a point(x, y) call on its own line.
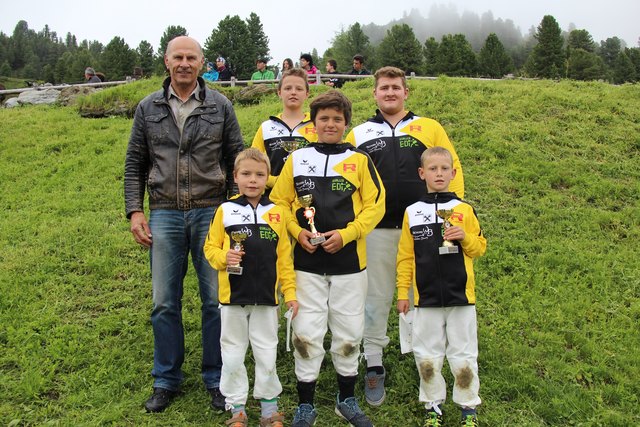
point(297, 72)
point(435, 151)
point(252, 154)
point(391, 73)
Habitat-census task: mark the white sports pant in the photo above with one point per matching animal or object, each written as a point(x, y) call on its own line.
point(258, 325)
point(450, 332)
point(337, 302)
point(382, 250)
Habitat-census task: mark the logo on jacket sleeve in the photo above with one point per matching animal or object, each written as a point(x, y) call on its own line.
point(348, 167)
point(274, 217)
point(457, 216)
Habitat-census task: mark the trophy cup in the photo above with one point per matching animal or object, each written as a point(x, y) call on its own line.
point(447, 246)
point(309, 213)
point(238, 237)
point(290, 146)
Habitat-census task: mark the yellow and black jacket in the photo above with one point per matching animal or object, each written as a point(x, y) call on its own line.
point(438, 280)
point(267, 258)
point(348, 197)
point(273, 133)
point(396, 153)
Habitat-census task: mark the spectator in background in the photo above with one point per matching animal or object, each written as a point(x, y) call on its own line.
point(212, 74)
point(224, 73)
point(287, 64)
point(306, 63)
point(90, 76)
point(263, 73)
point(331, 67)
point(358, 66)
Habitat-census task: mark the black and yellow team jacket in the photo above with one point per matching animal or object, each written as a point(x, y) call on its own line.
point(396, 153)
point(438, 280)
point(271, 136)
point(267, 258)
point(348, 196)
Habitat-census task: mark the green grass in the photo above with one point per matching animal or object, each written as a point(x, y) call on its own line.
point(552, 169)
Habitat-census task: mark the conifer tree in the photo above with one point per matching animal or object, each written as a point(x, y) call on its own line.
point(547, 58)
point(400, 48)
point(493, 60)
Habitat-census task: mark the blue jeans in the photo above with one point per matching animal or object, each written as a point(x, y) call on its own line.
point(175, 234)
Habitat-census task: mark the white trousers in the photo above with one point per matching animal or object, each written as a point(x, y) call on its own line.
point(336, 302)
point(450, 332)
point(257, 325)
point(382, 250)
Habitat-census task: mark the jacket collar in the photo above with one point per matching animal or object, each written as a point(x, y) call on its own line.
point(439, 197)
point(240, 199)
point(202, 94)
point(379, 118)
point(325, 148)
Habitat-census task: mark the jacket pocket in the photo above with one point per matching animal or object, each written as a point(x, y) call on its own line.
point(211, 127)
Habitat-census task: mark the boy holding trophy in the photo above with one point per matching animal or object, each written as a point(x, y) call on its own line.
point(289, 130)
point(335, 188)
point(440, 237)
point(249, 246)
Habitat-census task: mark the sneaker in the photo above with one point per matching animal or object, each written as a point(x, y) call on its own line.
point(470, 421)
point(305, 416)
point(159, 400)
point(238, 420)
point(217, 399)
point(275, 420)
point(433, 419)
point(374, 392)
point(350, 411)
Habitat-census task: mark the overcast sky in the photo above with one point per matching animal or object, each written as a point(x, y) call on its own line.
point(295, 26)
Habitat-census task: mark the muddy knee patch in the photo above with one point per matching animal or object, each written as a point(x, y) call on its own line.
point(464, 377)
point(302, 346)
point(348, 349)
point(426, 371)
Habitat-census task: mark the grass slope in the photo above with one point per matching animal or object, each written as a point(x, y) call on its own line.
point(552, 169)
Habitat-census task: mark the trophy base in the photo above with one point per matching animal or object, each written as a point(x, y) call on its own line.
point(315, 241)
point(234, 269)
point(446, 250)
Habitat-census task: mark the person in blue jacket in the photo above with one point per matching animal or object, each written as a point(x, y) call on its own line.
point(212, 74)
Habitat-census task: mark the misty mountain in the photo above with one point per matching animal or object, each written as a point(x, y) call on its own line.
point(445, 19)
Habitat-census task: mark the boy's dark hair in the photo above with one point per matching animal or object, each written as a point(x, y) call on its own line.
point(389, 72)
point(332, 99)
point(358, 58)
point(263, 60)
point(307, 57)
point(297, 72)
point(333, 63)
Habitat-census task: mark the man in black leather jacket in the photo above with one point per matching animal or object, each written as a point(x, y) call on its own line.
point(182, 148)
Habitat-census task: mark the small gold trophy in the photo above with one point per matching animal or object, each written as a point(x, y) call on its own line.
point(290, 146)
point(238, 237)
point(309, 213)
point(447, 246)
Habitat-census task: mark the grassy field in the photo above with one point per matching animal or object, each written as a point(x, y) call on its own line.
point(553, 171)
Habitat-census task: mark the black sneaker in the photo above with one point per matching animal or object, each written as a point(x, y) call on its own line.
point(159, 400)
point(217, 399)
